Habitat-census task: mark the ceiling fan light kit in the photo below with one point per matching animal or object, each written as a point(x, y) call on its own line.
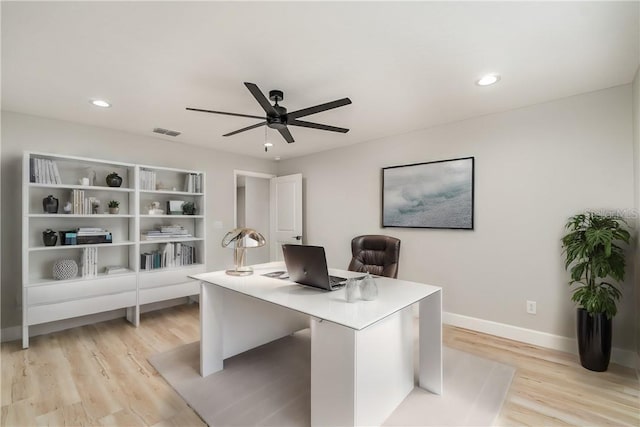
point(277, 116)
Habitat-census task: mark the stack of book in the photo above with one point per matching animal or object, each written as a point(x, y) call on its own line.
point(81, 205)
point(89, 262)
point(167, 232)
point(147, 180)
point(92, 235)
point(171, 255)
point(193, 183)
point(116, 269)
point(43, 171)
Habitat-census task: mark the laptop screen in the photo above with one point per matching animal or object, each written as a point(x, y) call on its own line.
point(307, 265)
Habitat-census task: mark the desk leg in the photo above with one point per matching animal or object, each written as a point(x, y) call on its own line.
point(430, 375)
point(211, 332)
point(358, 378)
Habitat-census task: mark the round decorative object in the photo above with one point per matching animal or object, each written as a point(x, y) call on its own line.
point(65, 269)
point(114, 180)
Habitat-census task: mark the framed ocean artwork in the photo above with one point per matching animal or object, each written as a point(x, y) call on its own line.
point(436, 194)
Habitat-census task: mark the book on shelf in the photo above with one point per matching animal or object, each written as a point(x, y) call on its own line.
point(115, 269)
point(43, 171)
point(147, 179)
point(89, 262)
point(80, 237)
point(167, 232)
point(81, 205)
point(193, 183)
point(173, 254)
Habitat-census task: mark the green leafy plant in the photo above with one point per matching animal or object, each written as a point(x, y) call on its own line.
point(114, 203)
point(113, 175)
point(592, 257)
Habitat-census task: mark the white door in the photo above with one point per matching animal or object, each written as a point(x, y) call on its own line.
point(286, 213)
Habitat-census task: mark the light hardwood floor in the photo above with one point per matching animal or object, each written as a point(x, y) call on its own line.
point(99, 375)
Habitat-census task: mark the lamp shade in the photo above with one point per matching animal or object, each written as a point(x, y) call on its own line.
point(241, 239)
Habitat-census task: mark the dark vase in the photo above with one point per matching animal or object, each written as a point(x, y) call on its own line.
point(594, 340)
point(49, 237)
point(50, 204)
point(114, 181)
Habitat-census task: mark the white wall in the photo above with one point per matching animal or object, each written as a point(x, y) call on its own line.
point(240, 207)
point(22, 132)
point(535, 167)
point(257, 215)
point(636, 158)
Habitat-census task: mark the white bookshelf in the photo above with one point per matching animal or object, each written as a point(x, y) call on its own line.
point(168, 184)
point(45, 299)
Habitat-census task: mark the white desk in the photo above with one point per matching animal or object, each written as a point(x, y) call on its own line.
point(361, 353)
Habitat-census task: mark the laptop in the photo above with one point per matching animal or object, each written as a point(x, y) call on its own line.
point(307, 265)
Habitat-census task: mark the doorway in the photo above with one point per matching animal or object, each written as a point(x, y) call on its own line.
point(252, 210)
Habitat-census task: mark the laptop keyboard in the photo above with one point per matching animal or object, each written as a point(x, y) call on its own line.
point(337, 282)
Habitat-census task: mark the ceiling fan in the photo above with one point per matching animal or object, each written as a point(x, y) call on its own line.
point(277, 116)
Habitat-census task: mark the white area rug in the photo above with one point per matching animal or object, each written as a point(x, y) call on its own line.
point(270, 385)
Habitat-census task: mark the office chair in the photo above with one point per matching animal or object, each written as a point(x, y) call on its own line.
point(376, 254)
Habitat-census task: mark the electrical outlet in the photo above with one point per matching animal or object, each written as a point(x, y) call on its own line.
point(531, 307)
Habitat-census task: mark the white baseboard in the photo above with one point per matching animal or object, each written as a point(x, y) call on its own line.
point(620, 356)
point(15, 332)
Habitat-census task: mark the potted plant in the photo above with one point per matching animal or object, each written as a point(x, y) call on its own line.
point(114, 180)
point(114, 206)
point(188, 208)
point(595, 260)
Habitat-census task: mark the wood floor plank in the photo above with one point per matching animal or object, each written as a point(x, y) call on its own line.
point(99, 375)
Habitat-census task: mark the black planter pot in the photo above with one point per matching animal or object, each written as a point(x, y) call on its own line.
point(594, 340)
point(50, 204)
point(114, 181)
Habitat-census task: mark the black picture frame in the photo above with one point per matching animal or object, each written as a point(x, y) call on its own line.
point(438, 194)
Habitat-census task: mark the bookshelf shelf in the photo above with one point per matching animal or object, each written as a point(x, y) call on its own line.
point(165, 269)
point(173, 216)
point(51, 281)
point(93, 245)
point(174, 240)
point(76, 216)
point(171, 192)
point(45, 299)
point(82, 187)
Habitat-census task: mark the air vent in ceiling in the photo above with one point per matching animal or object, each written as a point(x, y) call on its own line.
point(167, 132)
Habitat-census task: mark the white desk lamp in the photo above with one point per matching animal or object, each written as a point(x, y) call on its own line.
point(242, 238)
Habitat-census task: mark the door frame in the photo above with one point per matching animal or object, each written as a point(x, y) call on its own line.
point(236, 174)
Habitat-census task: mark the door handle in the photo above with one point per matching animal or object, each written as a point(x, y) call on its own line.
point(297, 237)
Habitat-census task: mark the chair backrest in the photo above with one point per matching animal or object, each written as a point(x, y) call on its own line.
point(376, 254)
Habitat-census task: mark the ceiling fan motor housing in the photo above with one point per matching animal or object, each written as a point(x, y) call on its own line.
point(279, 120)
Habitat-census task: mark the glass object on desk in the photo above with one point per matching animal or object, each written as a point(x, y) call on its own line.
point(368, 288)
point(351, 290)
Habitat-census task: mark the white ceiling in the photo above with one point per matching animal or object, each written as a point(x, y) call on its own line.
point(405, 66)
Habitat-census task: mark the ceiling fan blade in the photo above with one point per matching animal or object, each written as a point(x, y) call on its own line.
point(286, 135)
point(247, 128)
point(226, 114)
point(262, 100)
point(316, 126)
point(319, 108)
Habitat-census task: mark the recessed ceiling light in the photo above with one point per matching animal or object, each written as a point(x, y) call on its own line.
point(276, 158)
point(488, 79)
point(268, 144)
point(100, 103)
